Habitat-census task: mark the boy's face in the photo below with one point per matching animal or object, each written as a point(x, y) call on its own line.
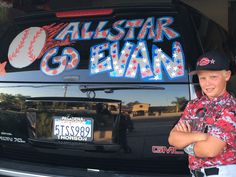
point(213, 83)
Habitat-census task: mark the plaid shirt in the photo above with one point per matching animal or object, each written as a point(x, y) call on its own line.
point(217, 117)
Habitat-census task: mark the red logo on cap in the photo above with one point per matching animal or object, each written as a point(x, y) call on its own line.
point(203, 62)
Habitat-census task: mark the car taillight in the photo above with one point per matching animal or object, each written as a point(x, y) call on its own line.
point(83, 13)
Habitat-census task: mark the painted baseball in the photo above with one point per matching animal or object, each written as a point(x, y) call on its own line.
point(26, 47)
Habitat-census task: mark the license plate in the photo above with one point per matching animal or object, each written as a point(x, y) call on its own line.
point(73, 128)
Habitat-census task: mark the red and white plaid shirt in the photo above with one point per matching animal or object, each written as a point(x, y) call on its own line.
point(217, 117)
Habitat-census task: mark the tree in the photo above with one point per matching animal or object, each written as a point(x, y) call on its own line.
point(12, 102)
point(130, 104)
point(180, 103)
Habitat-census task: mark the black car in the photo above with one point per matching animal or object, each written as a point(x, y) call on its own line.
point(98, 86)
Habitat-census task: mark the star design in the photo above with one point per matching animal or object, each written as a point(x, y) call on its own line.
point(173, 74)
point(175, 55)
point(175, 68)
point(212, 61)
point(155, 78)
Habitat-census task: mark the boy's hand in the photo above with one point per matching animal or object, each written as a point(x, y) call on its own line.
point(183, 127)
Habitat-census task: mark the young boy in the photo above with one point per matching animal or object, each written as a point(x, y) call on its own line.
point(207, 129)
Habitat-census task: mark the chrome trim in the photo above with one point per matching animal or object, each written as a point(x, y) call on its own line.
point(18, 173)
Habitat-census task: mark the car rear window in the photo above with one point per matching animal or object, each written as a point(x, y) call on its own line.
point(120, 46)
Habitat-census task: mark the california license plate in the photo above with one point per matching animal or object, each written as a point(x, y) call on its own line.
point(73, 128)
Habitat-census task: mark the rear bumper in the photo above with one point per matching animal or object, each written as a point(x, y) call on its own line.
point(26, 169)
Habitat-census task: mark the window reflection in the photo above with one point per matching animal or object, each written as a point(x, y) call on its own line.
point(121, 114)
point(137, 103)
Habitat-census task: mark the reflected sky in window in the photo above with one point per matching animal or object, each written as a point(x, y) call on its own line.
point(154, 97)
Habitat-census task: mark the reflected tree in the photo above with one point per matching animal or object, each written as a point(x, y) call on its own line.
point(44, 125)
point(180, 103)
point(131, 104)
point(20, 101)
point(11, 102)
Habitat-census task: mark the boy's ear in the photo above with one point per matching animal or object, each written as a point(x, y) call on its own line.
point(227, 75)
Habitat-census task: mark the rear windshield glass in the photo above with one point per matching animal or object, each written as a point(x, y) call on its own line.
point(118, 47)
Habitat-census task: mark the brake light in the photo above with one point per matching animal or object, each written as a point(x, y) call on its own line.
point(83, 13)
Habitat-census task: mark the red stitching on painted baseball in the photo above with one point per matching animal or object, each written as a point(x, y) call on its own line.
point(20, 46)
point(31, 46)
